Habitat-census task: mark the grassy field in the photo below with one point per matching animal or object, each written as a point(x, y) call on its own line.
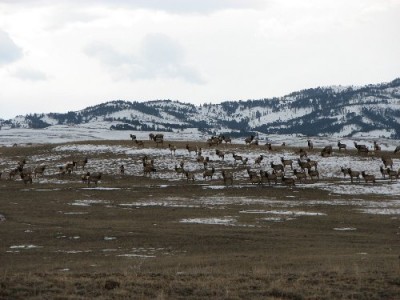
point(161, 237)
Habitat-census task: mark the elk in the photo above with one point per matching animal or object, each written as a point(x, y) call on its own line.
point(341, 146)
point(277, 167)
point(269, 146)
point(387, 161)
point(26, 178)
point(259, 159)
point(269, 176)
point(288, 180)
point(237, 157)
point(81, 163)
point(304, 164)
point(39, 170)
point(148, 169)
point(67, 168)
point(251, 173)
point(310, 145)
point(209, 173)
point(227, 176)
point(227, 139)
point(133, 137)
point(368, 177)
point(384, 172)
point(392, 174)
point(220, 154)
point(151, 136)
point(255, 179)
point(326, 151)
point(345, 171)
point(361, 148)
point(313, 173)
point(159, 140)
point(377, 147)
point(122, 169)
point(287, 162)
point(301, 176)
point(189, 176)
point(313, 163)
point(397, 149)
point(180, 169)
point(191, 149)
point(139, 143)
point(302, 153)
point(353, 174)
point(13, 173)
point(172, 148)
point(93, 177)
point(249, 139)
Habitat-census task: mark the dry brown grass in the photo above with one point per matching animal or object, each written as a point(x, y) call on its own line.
point(297, 259)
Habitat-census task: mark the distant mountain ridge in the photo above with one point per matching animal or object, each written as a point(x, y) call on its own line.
point(372, 110)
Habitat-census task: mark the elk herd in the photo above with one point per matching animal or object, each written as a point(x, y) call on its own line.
point(226, 162)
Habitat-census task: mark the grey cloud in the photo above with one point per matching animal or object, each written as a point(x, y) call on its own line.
point(29, 74)
point(159, 57)
point(9, 51)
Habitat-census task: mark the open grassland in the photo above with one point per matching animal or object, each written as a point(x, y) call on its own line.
point(161, 237)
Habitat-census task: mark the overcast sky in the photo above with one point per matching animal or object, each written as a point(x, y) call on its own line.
point(58, 56)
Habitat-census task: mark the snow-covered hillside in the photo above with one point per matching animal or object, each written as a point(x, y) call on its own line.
point(372, 110)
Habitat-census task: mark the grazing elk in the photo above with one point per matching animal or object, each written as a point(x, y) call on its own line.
point(81, 163)
point(326, 151)
point(189, 176)
point(227, 139)
point(392, 174)
point(353, 174)
point(139, 143)
point(269, 176)
point(227, 176)
point(277, 167)
point(387, 161)
point(368, 177)
point(313, 174)
point(93, 177)
point(287, 162)
point(148, 170)
point(302, 153)
point(341, 146)
point(26, 178)
point(301, 176)
point(220, 154)
point(249, 139)
point(304, 164)
point(191, 149)
point(209, 173)
point(288, 180)
point(39, 170)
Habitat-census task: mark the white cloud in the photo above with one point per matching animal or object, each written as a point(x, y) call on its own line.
point(159, 57)
point(9, 51)
point(29, 74)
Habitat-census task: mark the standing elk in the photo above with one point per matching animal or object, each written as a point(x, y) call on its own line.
point(269, 176)
point(277, 167)
point(172, 148)
point(345, 171)
point(392, 174)
point(191, 149)
point(93, 177)
point(301, 176)
point(387, 161)
point(353, 174)
point(341, 146)
point(377, 147)
point(368, 177)
point(313, 173)
point(310, 145)
point(259, 159)
point(397, 149)
point(189, 176)
point(209, 173)
point(384, 172)
point(220, 154)
point(287, 162)
point(227, 176)
point(133, 137)
point(39, 170)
